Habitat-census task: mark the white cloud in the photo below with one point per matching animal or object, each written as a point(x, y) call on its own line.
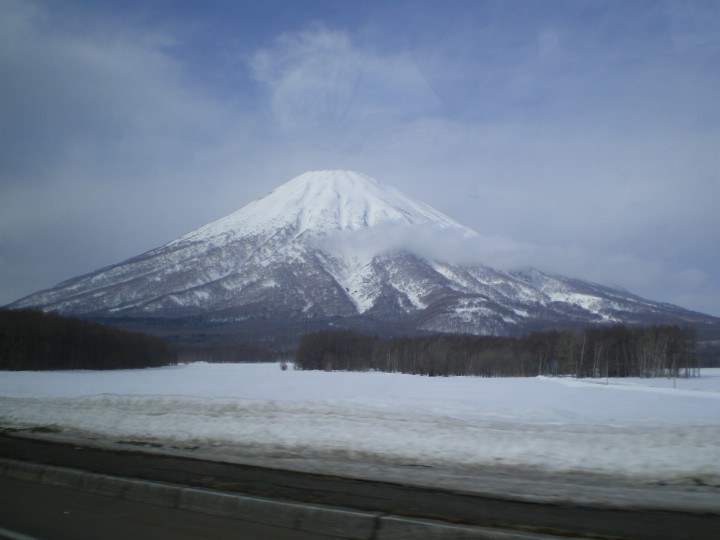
point(319, 78)
point(464, 246)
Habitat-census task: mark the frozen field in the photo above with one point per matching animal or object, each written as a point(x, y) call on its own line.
point(643, 429)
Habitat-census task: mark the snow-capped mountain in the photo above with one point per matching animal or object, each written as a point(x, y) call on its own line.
point(337, 248)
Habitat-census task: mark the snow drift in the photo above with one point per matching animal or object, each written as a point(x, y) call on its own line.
point(624, 429)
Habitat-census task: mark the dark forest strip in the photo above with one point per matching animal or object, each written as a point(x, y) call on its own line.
point(614, 351)
point(33, 340)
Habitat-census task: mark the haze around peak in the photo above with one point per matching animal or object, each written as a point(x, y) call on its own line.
point(580, 137)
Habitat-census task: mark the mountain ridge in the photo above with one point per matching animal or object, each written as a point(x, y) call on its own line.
point(338, 248)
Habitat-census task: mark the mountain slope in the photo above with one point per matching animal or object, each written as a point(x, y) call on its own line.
point(337, 247)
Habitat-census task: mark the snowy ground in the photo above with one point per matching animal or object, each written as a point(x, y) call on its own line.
point(640, 429)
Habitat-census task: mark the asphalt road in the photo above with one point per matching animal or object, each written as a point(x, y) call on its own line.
point(52, 513)
point(391, 498)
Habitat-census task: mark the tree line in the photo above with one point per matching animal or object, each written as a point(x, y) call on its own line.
point(33, 341)
point(613, 351)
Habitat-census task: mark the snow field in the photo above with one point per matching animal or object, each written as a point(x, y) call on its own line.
point(631, 427)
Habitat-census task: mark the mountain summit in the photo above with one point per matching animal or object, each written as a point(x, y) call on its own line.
point(320, 202)
point(334, 248)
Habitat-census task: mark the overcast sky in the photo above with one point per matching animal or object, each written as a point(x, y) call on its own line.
point(583, 137)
